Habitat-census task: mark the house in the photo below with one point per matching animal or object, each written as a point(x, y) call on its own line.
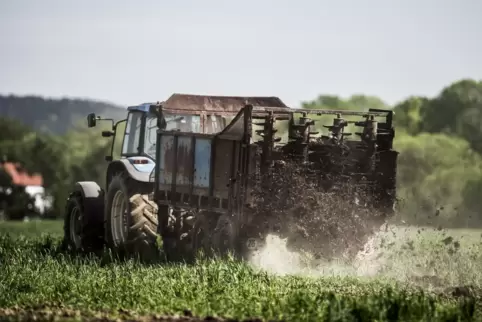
point(20, 177)
point(33, 185)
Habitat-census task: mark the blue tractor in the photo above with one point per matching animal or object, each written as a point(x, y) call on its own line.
point(122, 215)
point(95, 216)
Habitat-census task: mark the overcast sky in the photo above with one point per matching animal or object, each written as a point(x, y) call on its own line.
point(129, 52)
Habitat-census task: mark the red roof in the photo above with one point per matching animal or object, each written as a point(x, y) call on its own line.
point(20, 177)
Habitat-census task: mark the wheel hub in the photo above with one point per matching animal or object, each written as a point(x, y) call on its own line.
point(119, 218)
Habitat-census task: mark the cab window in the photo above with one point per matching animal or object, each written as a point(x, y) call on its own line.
point(132, 133)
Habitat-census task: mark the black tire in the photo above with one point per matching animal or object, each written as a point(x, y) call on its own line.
point(205, 224)
point(224, 237)
point(178, 237)
point(83, 229)
point(136, 232)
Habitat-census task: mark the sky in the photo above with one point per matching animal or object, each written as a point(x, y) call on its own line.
point(130, 52)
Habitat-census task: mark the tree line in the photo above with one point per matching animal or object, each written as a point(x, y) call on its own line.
point(439, 139)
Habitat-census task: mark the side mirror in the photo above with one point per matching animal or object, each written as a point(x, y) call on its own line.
point(91, 120)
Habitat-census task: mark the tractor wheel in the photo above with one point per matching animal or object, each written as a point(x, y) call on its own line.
point(80, 233)
point(177, 240)
point(202, 238)
point(131, 219)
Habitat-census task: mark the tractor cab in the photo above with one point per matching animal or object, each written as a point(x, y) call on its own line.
point(139, 136)
point(140, 132)
point(136, 133)
point(141, 129)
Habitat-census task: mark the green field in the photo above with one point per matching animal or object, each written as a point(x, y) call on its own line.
point(414, 274)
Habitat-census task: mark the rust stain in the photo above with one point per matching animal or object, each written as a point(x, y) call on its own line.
point(168, 150)
point(184, 159)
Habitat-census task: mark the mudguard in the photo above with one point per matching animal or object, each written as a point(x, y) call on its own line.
point(136, 170)
point(92, 200)
point(89, 189)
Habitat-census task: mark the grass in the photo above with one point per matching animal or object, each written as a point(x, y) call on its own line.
point(37, 278)
point(445, 257)
point(32, 229)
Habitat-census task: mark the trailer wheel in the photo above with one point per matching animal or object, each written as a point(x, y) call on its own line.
point(204, 226)
point(177, 240)
point(224, 237)
point(131, 219)
point(80, 233)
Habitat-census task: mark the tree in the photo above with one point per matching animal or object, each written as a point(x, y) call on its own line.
point(433, 173)
point(61, 160)
point(457, 110)
point(354, 102)
point(56, 116)
point(408, 114)
point(472, 195)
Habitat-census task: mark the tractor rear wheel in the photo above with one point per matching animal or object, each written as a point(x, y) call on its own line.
point(82, 230)
point(131, 219)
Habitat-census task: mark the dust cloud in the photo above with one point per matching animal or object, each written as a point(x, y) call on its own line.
point(425, 257)
point(276, 258)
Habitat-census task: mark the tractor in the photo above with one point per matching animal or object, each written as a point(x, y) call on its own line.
point(217, 174)
point(95, 216)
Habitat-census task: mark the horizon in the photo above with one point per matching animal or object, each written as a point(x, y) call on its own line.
point(123, 54)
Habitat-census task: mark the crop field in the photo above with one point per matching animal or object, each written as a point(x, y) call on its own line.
point(406, 273)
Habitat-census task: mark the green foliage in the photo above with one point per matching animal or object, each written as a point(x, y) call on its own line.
point(55, 116)
point(440, 164)
point(446, 111)
point(472, 193)
point(355, 102)
point(61, 160)
point(434, 170)
point(408, 114)
point(36, 274)
point(457, 110)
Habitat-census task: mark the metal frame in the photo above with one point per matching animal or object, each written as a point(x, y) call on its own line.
point(241, 149)
point(243, 163)
point(279, 112)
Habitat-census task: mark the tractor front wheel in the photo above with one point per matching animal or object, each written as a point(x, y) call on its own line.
point(82, 233)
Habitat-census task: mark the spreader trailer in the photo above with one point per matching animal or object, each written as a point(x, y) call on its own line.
point(196, 170)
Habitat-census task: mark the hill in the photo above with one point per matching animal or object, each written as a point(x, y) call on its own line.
point(54, 116)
